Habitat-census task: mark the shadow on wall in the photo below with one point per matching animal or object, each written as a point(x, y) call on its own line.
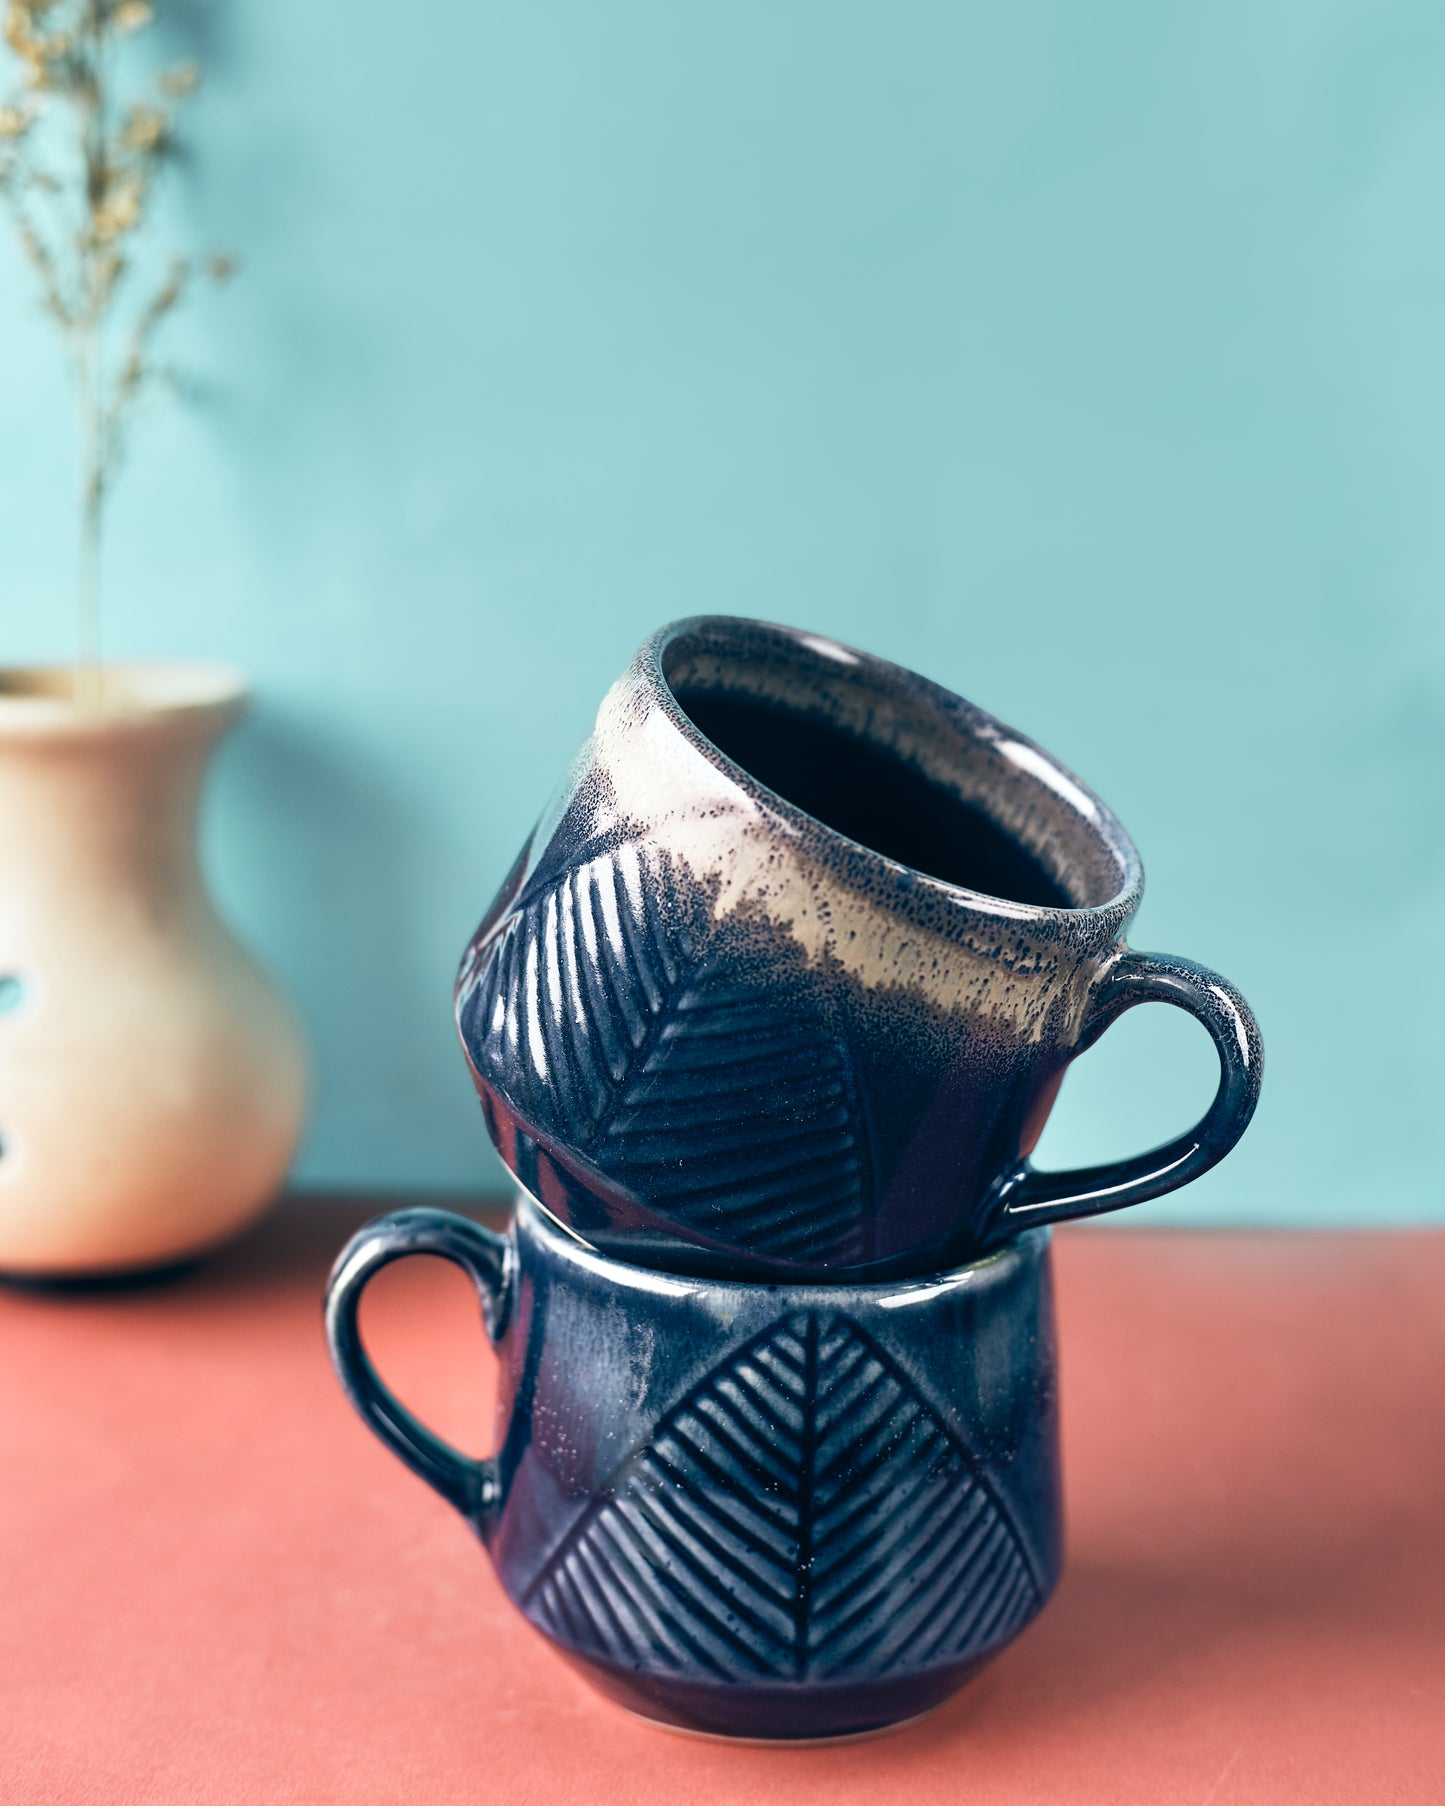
point(330, 865)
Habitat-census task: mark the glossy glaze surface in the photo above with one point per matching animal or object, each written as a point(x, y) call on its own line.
point(748, 1003)
point(760, 1511)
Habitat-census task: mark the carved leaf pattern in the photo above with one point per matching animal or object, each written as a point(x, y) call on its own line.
point(721, 1108)
point(803, 1513)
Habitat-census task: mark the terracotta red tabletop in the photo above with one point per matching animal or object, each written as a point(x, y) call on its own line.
point(218, 1588)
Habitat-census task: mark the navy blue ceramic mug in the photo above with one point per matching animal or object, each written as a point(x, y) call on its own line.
point(786, 979)
point(770, 1511)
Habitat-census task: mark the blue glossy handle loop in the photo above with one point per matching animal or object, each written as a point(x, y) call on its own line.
point(487, 1258)
point(1025, 1197)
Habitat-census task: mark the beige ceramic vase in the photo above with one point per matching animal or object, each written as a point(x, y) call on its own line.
point(152, 1077)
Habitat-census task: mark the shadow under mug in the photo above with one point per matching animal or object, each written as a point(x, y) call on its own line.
point(786, 979)
point(783, 1512)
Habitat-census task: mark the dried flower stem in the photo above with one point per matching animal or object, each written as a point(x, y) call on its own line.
point(89, 683)
point(94, 206)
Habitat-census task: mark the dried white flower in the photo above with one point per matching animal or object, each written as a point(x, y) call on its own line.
point(178, 82)
point(146, 129)
point(131, 15)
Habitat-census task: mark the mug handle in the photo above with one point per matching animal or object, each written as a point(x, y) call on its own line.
point(1024, 1197)
point(488, 1259)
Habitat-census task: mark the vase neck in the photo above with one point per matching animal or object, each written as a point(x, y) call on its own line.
point(108, 805)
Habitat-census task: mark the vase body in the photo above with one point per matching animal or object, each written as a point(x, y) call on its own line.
point(152, 1077)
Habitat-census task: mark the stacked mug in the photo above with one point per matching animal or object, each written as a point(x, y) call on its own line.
point(766, 1021)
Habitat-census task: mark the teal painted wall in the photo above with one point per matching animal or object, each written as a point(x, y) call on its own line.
point(1089, 358)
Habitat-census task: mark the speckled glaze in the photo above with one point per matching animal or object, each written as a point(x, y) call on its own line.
point(758, 1511)
point(787, 977)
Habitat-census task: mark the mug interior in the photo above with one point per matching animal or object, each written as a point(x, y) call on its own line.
point(872, 796)
point(897, 765)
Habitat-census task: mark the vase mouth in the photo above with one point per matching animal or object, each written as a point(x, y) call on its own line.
point(1090, 868)
point(53, 700)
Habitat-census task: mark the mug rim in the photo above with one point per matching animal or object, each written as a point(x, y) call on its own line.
point(981, 1272)
point(1033, 764)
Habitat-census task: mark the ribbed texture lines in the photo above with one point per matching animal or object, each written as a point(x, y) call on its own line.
point(719, 1107)
point(802, 1514)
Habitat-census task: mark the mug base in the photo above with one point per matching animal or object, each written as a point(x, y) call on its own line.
point(792, 1743)
point(796, 1713)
